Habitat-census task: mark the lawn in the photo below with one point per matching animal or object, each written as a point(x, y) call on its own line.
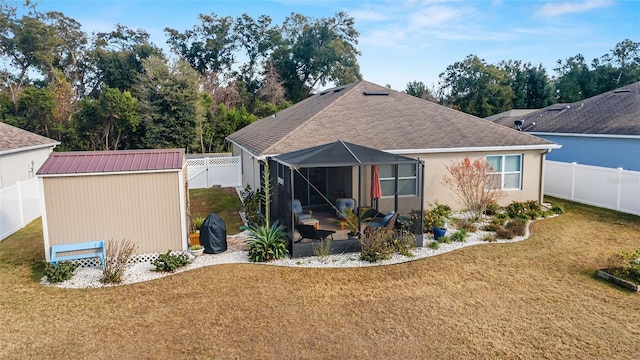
point(532, 299)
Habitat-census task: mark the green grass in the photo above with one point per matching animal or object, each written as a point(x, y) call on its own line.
point(223, 202)
point(532, 299)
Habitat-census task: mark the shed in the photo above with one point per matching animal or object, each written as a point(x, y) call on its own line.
point(102, 195)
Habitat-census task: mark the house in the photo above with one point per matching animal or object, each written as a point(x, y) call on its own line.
point(21, 154)
point(376, 117)
point(138, 195)
point(603, 130)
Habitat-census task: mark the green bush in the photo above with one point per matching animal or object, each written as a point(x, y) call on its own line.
point(492, 208)
point(434, 245)
point(266, 243)
point(251, 206)
point(169, 262)
point(403, 242)
point(491, 227)
point(556, 209)
point(375, 245)
point(528, 210)
point(322, 249)
point(61, 272)
point(459, 236)
point(436, 216)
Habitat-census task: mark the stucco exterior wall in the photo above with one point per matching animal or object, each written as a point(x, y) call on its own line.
point(435, 190)
point(18, 166)
point(250, 167)
point(143, 207)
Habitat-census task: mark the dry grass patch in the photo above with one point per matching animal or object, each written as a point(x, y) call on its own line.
point(532, 299)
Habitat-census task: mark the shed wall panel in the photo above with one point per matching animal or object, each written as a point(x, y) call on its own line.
point(144, 208)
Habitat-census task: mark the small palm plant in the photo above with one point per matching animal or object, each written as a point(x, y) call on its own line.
point(266, 242)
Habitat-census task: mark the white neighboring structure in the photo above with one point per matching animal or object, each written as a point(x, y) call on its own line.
point(21, 154)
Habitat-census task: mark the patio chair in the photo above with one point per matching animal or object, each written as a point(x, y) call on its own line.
point(296, 207)
point(385, 220)
point(389, 224)
point(310, 232)
point(342, 204)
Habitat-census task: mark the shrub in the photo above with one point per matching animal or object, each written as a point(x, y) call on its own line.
point(517, 227)
point(529, 210)
point(473, 184)
point(266, 243)
point(251, 206)
point(169, 262)
point(402, 242)
point(492, 208)
point(500, 218)
point(459, 236)
point(625, 264)
point(503, 233)
point(466, 225)
point(375, 245)
point(61, 272)
point(489, 238)
point(437, 216)
point(118, 255)
point(434, 245)
point(556, 209)
point(322, 249)
point(491, 227)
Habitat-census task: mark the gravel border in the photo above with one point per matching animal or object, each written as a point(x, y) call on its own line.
point(140, 272)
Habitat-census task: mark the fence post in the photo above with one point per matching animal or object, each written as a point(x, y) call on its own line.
point(573, 178)
point(206, 171)
point(20, 205)
point(619, 188)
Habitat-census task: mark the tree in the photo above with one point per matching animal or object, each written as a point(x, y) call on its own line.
point(109, 122)
point(419, 90)
point(476, 88)
point(255, 38)
point(208, 47)
point(118, 57)
point(171, 105)
point(309, 52)
point(473, 185)
point(530, 85)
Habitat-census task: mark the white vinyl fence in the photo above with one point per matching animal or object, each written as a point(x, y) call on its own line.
point(19, 205)
point(206, 172)
point(615, 189)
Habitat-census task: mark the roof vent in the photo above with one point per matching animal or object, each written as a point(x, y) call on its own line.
point(621, 91)
point(376, 93)
point(338, 89)
point(325, 92)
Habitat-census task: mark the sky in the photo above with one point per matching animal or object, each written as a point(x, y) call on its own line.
point(404, 41)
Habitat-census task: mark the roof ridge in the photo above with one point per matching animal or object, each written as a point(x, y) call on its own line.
point(351, 86)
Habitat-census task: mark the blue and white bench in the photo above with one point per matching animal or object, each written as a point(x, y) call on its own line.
point(97, 246)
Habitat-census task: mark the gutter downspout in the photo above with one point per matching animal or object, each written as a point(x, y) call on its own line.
point(542, 160)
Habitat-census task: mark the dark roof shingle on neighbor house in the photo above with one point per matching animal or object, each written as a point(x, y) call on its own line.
point(14, 139)
point(615, 112)
point(84, 162)
point(371, 115)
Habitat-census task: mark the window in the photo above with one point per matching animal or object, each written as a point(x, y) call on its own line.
point(407, 180)
point(508, 168)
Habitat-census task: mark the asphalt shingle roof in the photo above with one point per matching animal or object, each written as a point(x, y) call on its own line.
point(13, 138)
point(615, 112)
point(371, 115)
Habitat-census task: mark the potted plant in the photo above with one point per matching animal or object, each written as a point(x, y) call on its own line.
point(197, 223)
point(350, 221)
point(436, 218)
point(196, 250)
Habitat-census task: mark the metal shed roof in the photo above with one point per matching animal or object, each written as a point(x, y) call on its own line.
point(84, 162)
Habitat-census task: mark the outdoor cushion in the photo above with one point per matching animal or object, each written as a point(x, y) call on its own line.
point(342, 204)
point(384, 220)
point(297, 209)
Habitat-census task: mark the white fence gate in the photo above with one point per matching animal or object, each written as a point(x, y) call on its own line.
point(209, 171)
point(19, 205)
point(615, 189)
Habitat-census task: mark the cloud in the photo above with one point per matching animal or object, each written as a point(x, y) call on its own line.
point(560, 8)
point(368, 15)
point(435, 16)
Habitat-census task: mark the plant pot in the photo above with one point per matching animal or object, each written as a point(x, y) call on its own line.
point(196, 253)
point(194, 239)
point(439, 232)
point(352, 236)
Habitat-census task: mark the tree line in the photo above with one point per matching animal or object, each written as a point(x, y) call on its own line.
point(118, 90)
point(478, 88)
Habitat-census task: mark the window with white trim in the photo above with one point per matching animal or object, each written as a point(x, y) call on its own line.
point(508, 168)
point(407, 180)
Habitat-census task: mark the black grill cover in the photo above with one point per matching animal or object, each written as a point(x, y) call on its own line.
point(213, 235)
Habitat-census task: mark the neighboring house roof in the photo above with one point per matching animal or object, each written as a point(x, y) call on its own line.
point(371, 115)
point(615, 112)
point(13, 139)
point(83, 162)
